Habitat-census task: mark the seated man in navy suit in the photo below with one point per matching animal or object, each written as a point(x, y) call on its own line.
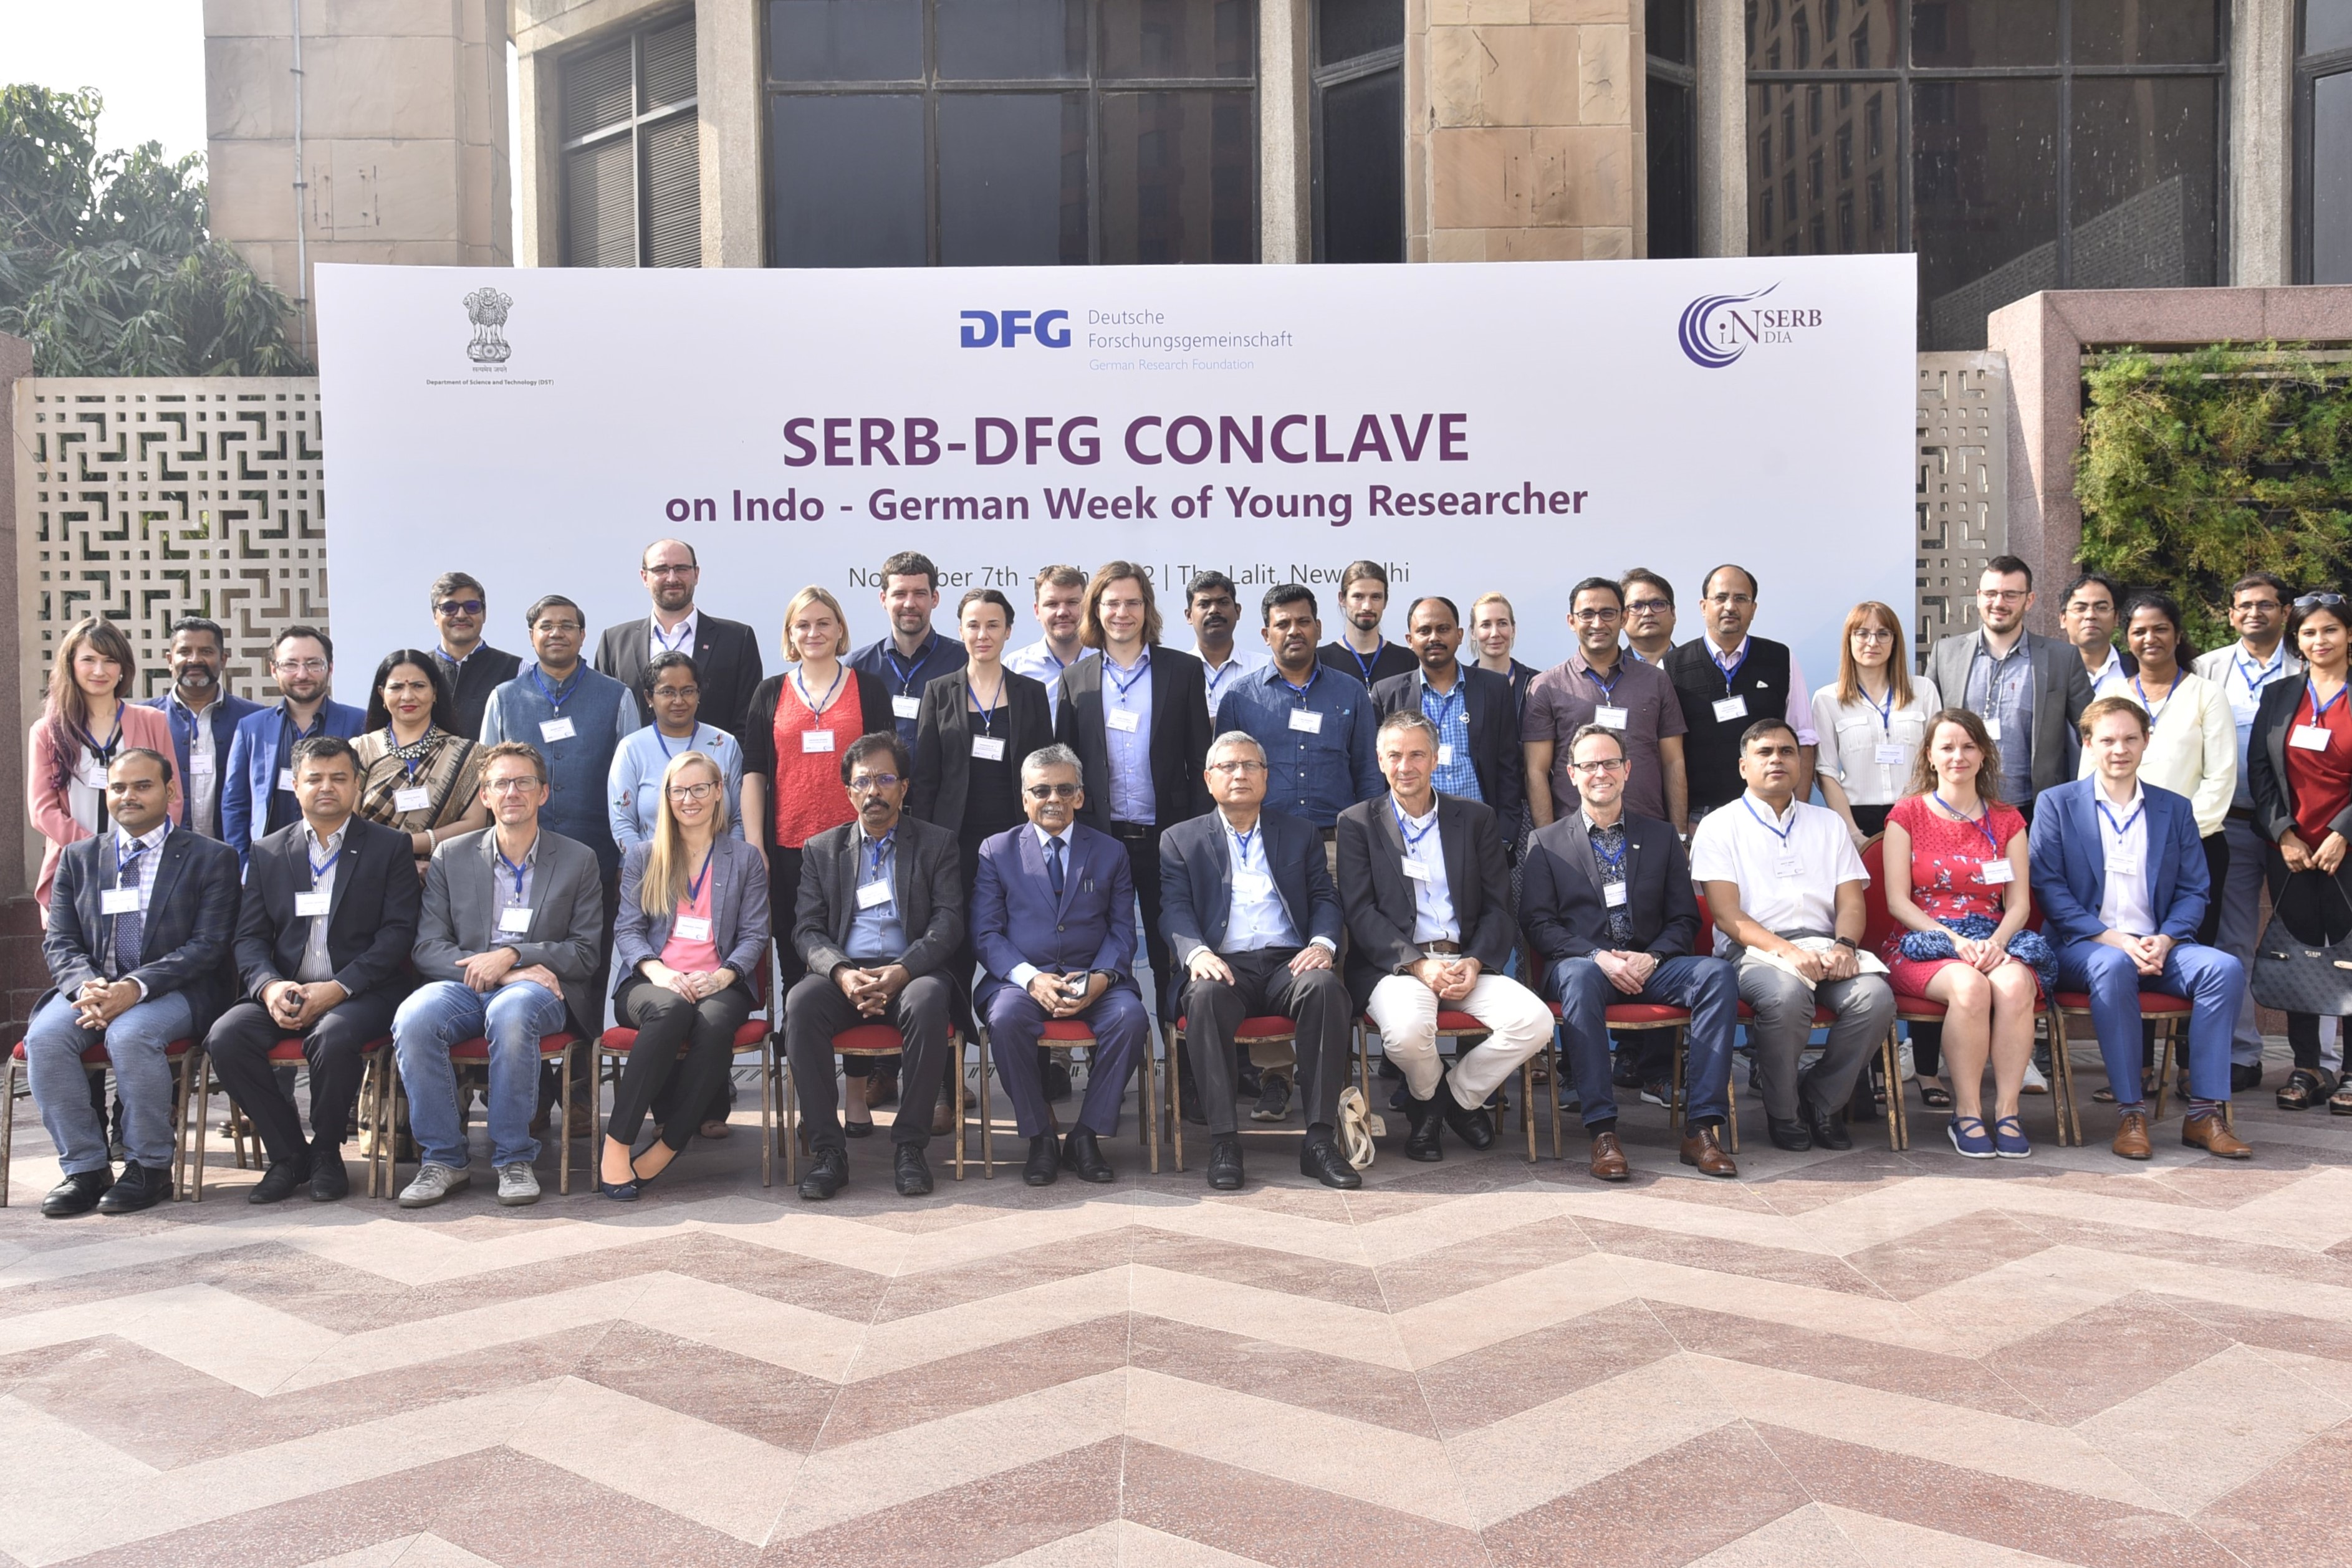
point(1238, 889)
point(1053, 921)
point(140, 919)
point(1607, 905)
point(2122, 884)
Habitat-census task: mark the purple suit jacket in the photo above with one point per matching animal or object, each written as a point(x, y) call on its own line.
point(1016, 919)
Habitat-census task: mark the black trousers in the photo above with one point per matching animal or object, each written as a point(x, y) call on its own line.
point(816, 1010)
point(665, 1021)
point(2318, 908)
point(1316, 1001)
point(1143, 864)
point(240, 1046)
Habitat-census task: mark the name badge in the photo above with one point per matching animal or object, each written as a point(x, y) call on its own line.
point(1892, 757)
point(90, 773)
point(307, 904)
point(1124, 720)
point(870, 893)
point(1729, 708)
point(1416, 870)
point(555, 730)
point(200, 762)
point(2308, 738)
point(815, 740)
point(286, 780)
point(988, 747)
point(1996, 871)
point(1307, 721)
point(906, 707)
point(413, 798)
point(1785, 866)
point(1993, 727)
point(691, 929)
point(1613, 895)
point(515, 919)
point(1445, 753)
point(1249, 885)
point(1614, 717)
point(2122, 862)
point(119, 901)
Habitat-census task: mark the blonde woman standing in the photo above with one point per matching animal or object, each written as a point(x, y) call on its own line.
point(1872, 722)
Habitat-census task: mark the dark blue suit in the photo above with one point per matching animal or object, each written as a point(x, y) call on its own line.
point(1196, 902)
point(2070, 882)
point(1016, 921)
point(264, 744)
point(223, 717)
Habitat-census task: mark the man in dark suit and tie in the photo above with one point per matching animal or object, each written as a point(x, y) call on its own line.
point(1606, 901)
point(141, 918)
point(330, 914)
point(879, 925)
point(1052, 920)
point(1240, 888)
point(1137, 718)
point(726, 652)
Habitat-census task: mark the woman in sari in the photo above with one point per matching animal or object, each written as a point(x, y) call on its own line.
point(416, 773)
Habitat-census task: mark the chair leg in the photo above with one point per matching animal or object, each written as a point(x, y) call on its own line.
point(1674, 1091)
point(987, 1110)
point(792, 1126)
point(7, 1125)
point(955, 1088)
point(1152, 1099)
point(1364, 1063)
point(191, 1096)
point(1176, 1097)
point(1527, 1105)
point(2163, 1068)
point(767, 1128)
point(1555, 1063)
point(1891, 1053)
point(1731, 1105)
point(563, 1159)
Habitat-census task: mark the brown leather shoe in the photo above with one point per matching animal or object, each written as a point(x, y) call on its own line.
point(2213, 1135)
point(1703, 1148)
point(943, 1118)
point(1609, 1162)
point(2131, 1134)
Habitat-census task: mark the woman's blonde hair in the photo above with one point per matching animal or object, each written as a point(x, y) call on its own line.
point(664, 886)
point(802, 601)
point(1899, 664)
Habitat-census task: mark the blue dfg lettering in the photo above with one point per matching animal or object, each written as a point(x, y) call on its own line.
point(993, 329)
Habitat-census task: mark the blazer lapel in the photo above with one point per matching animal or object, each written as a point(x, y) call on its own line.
point(1453, 835)
point(346, 868)
point(167, 873)
point(2087, 828)
point(1220, 861)
point(1582, 855)
point(902, 880)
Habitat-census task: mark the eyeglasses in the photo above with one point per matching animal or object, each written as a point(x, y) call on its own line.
point(1606, 765)
point(677, 694)
point(458, 606)
point(511, 786)
point(1053, 792)
point(1730, 601)
point(691, 791)
point(2004, 595)
point(1593, 617)
point(1648, 606)
point(549, 628)
point(872, 783)
point(671, 571)
point(301, 666)
point(1236, 770)
point(2257, 606)
point(2320, 602)
point(1872, 634)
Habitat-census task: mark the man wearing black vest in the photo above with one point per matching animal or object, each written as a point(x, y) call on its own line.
point(461, 609)
point(1726, 680)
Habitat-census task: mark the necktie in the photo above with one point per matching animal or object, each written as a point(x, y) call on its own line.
point(1054, 864)
point(129, 925)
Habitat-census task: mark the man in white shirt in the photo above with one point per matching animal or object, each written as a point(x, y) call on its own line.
point(2089, 617)
point(1212, 608)
point(2244, 670)
point(2122, 886)
point(1784, 885)
point(1061, 612)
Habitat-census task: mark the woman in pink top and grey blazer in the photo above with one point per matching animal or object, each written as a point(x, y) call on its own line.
point(88, 721)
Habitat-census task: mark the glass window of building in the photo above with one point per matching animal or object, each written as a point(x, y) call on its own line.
point(2323, 183)
point(1358, 91)
point(2015, 145)
point(632, 175)
point(1670, 126)
point(1011, 132)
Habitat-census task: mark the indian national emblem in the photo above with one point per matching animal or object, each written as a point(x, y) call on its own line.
point(487, 307)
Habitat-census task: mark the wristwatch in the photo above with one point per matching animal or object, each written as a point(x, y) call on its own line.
point(1846, 943)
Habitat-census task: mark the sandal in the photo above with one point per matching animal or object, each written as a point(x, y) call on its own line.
point(1935, 1096)
point(2340, 1103)
point(2307, 1087)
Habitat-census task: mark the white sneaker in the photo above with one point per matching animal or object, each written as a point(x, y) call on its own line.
point(2034, 1083)
point(517, 1185)
point(433, 1183)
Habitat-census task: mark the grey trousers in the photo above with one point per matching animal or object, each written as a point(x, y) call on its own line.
point(1865, 1006)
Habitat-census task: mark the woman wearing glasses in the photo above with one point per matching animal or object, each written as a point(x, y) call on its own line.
point(2299, 762)
point(88, 721)
point(688, 941)
point(672, 688)
point(800, 722)
point(1872, 722)
point(417, 773)
point(977, 727)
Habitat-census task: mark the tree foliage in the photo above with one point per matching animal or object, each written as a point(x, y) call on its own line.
point(106, 264)
point(2197, 468)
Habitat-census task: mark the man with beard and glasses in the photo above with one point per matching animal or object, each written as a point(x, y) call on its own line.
point(2030, 690)
point(204, 717)
point(725, 653)
point(258, 796)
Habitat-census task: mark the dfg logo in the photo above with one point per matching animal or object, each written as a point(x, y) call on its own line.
point(1004, 329)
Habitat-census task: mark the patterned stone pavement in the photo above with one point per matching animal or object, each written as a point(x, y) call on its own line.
point(1840, 1360)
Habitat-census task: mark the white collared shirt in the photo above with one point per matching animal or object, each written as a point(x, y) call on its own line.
point(316, 966)
point(2110, 679)
point(1040, 663)
point(1221, 678)
point(1434, 919)
point(2243, 679)
point(1023, 973)
point(1254, 917)
point(2125, 905)
point(680, 639)
point(1741, 843)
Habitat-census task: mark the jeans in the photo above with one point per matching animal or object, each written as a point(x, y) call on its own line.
point(2209, 979)
point(135, 1042)
point(446, 1013)
point(1709, 987)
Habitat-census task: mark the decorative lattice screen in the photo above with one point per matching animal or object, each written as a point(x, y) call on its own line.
point(1963, 506)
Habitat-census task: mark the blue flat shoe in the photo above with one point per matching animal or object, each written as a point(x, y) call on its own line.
point(1972, 1145)
point(619, 1191)
point(2009, 1139)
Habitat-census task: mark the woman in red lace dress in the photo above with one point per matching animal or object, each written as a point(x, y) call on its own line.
point(1956, 884)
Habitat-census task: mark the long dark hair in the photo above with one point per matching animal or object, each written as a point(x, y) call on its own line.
point(67, 712)
point(445, 700)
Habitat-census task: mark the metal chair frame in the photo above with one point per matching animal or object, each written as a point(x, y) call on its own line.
point(1146, 1068)
point(562, 1045)
point(186, 1058)
point(789, 1122)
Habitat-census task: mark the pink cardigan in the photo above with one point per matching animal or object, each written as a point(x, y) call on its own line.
point(51, 811)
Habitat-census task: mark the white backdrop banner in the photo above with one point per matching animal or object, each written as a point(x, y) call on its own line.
point(1509, 428)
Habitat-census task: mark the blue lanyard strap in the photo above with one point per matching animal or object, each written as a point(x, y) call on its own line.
point(1615, 863)
point(517, 871)
point(840, 673)
point(661, 637)
point(879, 850)
point(2318, 708)
point(556, 697)
point(2263, 674)
point(2153, 711)
point(2124, 826)
point(1218, 677)
point(1886, 709)
point(1363, 666)
point(1404, 825)
point(988, 714)
point(1142, 668)
point(1295, 689)
point(1765, 822)
point(1609, 687)
point(1981, 823)
point(694, 884)
point(1242, 843)
point(907, 674)
point(103, 751)
point(664, 740)
point(320, 868)
point(1445, 701)
point(123, 861)
point(286, 722)
point(1731, 675)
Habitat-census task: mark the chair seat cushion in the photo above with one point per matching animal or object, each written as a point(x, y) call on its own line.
point(1067, 1032)
point(1272, 1026)
point(619, 1041)
point(869, 1039)
point(291, 1050)
point(478, 1048)
point(96, 1055)
point(2151, 1003)
point(1451, 1022)
point(1627, 1014)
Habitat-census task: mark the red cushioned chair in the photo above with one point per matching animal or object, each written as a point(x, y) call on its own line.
point(187, 1057)
point(1270, 1030)
point(869, 1040)
point(375, 1063)
point(2170, 1015)
point(561, 1046)
point(756, 1037)
point(1465, 1032)
point(1636, 1018)
point(1068, 1034)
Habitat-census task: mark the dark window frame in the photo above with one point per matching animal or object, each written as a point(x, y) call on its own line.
point(931, 87)
point(2308, 71)
point(1683, 74)
point(637, 127)
point(1320, 79)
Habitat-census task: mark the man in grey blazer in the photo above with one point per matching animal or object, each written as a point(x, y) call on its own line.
point(2029, 689)
point(507, 948)
point(879, 924)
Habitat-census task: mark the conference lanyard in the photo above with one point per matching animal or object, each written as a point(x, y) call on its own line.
point(517, 871)
point(1445, 701)
point(687, 742)
point(880, 851)
point(907, 676)
point(840, 673)
point(1242, 843)
point(1764, 822)
point(988, 714)
point(2154, 712)
point(1612, 866)
point(2318, 708)
point(104, 753)
point(286, 725)
point(1218, 678)
point(1980, 823)
point(320, 868)
point(685, 628)
point(123, 861)
point(2263, 674)
point(1404, 826)
point(1295, 689)
point(1142, 668)
point(1364, 666)
point(1886, 709)
point(1608, 688)
point(569, 689)
point(2126, 825)
point(1731, 675)
point(695, 884)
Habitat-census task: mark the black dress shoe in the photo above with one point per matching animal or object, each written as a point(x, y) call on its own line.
point(910, 1171)
point(1828, 1128)
point(139, 1186)
point(1793, 1137)
point(1473, 1127)
point(280, 1181)
point(828, 1173)
point(1057, 1081)
point(1424, 1141)
point(857, 1129)
point(1225, 1163)
point(77, 1194)
point(1044, 1161)
point(1196, 1110)
point(328, 1180)
point(1321, 1158)
point(2245, 1075)
point(1083, 1154)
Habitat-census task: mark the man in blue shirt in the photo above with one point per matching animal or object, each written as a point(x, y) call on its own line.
point(257, 798)
point(913, 656)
